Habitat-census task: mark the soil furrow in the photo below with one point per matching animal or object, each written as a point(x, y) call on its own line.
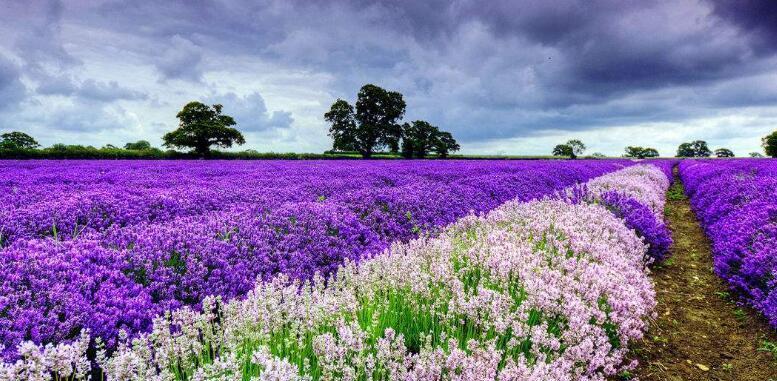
point(700, 332)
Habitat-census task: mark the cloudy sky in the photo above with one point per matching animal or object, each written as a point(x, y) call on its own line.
point(506, 77)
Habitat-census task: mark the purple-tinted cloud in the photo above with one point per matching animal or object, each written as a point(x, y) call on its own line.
point(180, 59)
point(484, 70)
point(756, 18)
point(89, 89)
point(12, 90)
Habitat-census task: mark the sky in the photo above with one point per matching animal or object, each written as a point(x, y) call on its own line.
point(505, 77)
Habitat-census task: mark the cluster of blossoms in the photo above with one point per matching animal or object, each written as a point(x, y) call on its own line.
point(736, 203)
point(106, 246)
point(539, 290)
point(637, 195)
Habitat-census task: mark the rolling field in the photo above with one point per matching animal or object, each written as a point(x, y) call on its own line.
point(109, 245)
point(355, 270)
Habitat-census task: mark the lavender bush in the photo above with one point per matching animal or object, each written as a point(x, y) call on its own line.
point(736, 203)
point(637, 196)
point(643, 221)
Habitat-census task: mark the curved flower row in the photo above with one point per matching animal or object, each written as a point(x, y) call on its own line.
point(637, 195)
point(135, 239)
point(736, 203)
point(644, 183)
point(531, 291)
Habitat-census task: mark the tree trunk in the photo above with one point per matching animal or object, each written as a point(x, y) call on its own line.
point(203, 149)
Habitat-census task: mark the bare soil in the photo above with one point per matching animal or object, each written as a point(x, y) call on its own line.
point(700, 332)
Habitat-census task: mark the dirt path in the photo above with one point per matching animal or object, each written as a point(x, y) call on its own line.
point(700, 334)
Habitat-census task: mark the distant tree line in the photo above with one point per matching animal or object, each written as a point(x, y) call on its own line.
point(109, 152)
point(371, 128)
point(367, 129)
point(640, 152)
point(697, 148)
point(374, 125)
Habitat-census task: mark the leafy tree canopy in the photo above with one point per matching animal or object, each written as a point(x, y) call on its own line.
point(696, 148)
point(724, 152)
point(572, 149)
point(17, 140)
point(640, 152)
point(756, 154)
point(446, 144)
point(420, 138)
point(202, 126)
point(139, 145)
point(562, 150)
point(372, 126)
point(769, 142)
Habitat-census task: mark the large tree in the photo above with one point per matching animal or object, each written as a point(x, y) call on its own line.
point(563, 150)
point(446, 144)
point(202, 126)
point(696, 148)
point(17, 140)
point(640, 152)
point(420, 138)
point(769, 143)
point(572, 149)
point(344, 130)
point(372, 126)
point(724, 152)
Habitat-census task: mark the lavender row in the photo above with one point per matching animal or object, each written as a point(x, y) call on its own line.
point(736, 203)
point(151, 237)
point(637, 196)
point(67, 199)
point(531, 291)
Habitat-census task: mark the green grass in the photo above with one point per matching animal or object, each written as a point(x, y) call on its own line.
point(769, 346)
point(725, 295)
point(675, 192)
point(740, 314)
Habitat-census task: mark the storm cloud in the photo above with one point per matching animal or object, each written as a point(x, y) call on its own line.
point(503, 76)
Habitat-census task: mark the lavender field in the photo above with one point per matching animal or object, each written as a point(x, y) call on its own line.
point(278, 190)
point(358, 270)
point(327, 269)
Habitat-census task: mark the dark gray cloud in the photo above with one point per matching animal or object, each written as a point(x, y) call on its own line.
point(89, 89)
point(180, 59)
point(485, 70)
point(107, 91)
point(85, 117)
point(41, 45)
point(757, 18)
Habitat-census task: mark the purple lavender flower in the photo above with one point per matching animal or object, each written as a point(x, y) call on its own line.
point(736, 203)
point(639, 217)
